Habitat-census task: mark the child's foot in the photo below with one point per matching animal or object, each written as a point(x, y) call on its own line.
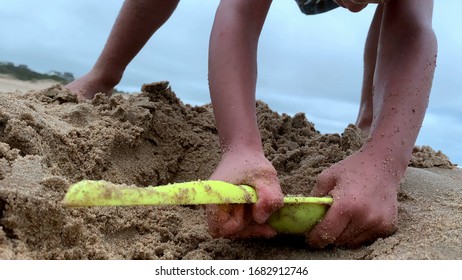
point(88, 86)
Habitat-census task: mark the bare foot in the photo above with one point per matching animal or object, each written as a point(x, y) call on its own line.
point(89, 85)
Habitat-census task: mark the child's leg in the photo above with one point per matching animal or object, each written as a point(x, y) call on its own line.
point(135, 24)
point(364, 119)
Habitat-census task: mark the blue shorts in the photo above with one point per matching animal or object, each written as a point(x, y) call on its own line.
point(312, 7)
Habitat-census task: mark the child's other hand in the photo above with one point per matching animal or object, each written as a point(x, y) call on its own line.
point(239, 220)
point(351, 5)
point(357, 5)
point(365, 202)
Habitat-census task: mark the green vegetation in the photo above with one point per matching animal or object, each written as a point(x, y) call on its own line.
point(22, 72)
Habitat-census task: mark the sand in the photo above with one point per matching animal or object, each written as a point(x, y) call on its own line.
point(48, 140)
point(10, 84)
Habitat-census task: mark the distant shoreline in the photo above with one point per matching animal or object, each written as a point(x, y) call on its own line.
point(9, 83)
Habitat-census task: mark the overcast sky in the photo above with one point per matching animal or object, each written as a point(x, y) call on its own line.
point(310, 64)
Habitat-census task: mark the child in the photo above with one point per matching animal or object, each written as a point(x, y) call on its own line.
point(399, 64)
point(137, 21)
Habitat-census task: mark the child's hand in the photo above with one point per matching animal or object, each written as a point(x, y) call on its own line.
point(243, 221)
point(365, 202)
point(357, 5)
point(351, 5)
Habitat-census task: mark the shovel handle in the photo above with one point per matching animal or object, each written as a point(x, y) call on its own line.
point(297, 216)
point(101, 193)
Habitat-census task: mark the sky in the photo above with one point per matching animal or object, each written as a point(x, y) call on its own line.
point(309, 64)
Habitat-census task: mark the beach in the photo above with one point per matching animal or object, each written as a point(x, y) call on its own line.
point(49, 140)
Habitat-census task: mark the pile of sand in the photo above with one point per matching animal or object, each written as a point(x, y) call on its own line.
point(48, 140)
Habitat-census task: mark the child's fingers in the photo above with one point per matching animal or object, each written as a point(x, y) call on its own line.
point(329, 228)
point(257, 230)
point(225, 220)
point(349, 237)
point(366, 237)
point(263, 209)
point(367, 225)
point(234, 221)
point(368, 229)
point(325, 182)
point(354, 240)
point(270, 199)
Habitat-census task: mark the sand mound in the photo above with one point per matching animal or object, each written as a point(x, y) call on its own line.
point(48, 140)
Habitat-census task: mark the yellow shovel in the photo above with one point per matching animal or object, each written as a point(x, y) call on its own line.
point(297, 216)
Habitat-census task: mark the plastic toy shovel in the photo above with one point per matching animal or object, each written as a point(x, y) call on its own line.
point(298, 215)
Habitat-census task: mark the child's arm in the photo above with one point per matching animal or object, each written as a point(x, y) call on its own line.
point(232, 79)
point(365, 185)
